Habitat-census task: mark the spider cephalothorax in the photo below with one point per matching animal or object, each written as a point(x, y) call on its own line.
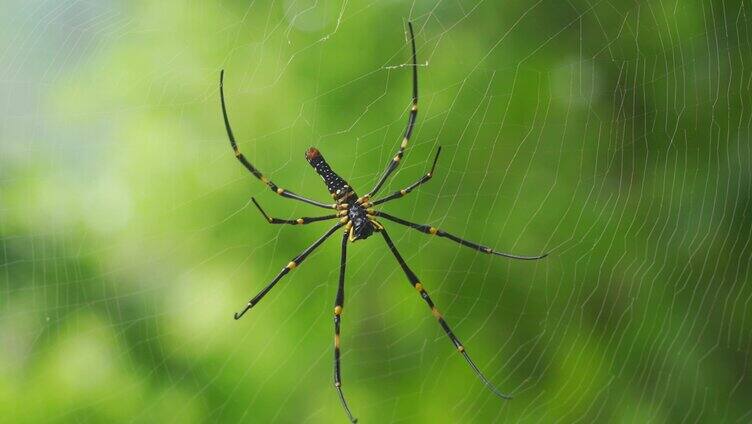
point(358, 217)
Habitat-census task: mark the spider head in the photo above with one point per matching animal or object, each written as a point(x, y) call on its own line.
point(362, 231)
point(362, 227)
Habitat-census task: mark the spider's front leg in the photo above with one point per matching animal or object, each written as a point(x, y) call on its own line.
point(440, 318)
point(339, 304)
point(290, 266)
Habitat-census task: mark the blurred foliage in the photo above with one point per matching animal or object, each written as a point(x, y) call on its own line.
point(614, 135)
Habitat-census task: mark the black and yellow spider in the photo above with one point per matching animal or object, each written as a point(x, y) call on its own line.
point(358, 218)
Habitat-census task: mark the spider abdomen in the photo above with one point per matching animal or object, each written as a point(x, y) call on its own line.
point(336, 185)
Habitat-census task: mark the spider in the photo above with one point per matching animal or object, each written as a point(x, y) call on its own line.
point(355, 214)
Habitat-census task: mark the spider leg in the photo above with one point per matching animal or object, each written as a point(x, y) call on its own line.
point(440, 318)
point(300, 221)
point(339, 304)
point(279, 190)
point(392, 165)
point(411, 187)
point(290, 266)
point(435, 231)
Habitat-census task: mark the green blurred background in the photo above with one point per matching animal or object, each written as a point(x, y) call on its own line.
point(616, 136)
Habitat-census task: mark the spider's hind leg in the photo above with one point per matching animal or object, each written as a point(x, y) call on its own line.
point(405, 191)
point(249, 166)
point(411, 119)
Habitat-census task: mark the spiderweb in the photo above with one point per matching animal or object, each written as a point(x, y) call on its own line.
point(614, 136)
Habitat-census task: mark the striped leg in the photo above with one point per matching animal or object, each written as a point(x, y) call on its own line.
point(411, 187)
point(457, 344)
point(292, 265)
point(300, 221)
point(339, 303)
point(410, 123)
point(435, 231)
point(279, 190)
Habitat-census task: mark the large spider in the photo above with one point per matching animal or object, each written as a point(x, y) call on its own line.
point(358, 218)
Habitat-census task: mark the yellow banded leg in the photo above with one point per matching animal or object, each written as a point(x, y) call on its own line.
point(411, 119)
point(289, 267)
point(339, 304)
point(405, 191)
point(440, 233)
point(299, 221)
point(247, 164)
point(439, 317)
